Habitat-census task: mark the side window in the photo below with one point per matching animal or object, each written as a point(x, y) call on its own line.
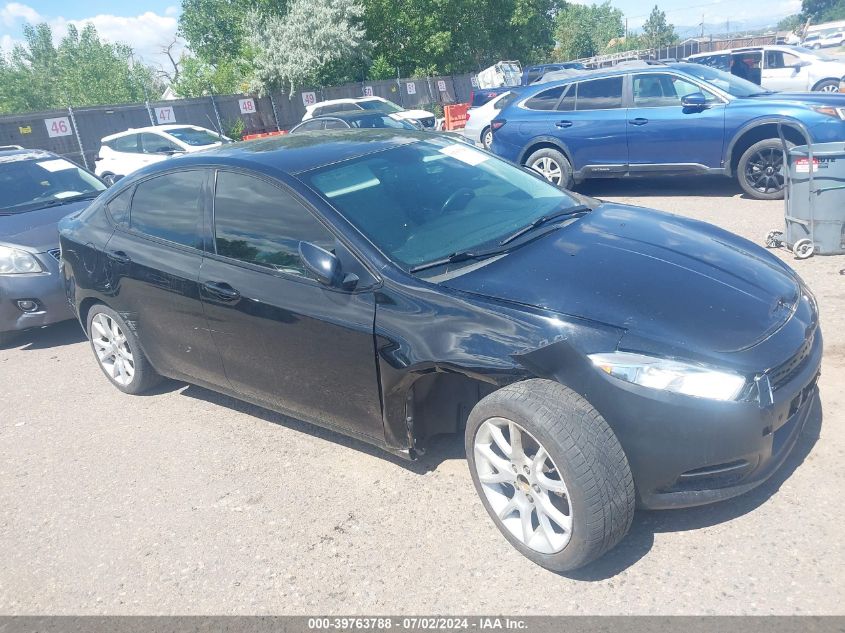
point(118, 207)
point(600, 94)
point(654, 90)
point(310, 126)
point(155, 144)
point(780, 59)
point(319, 111)
point(335, 124)
point(259, 223)
point(546, 100)
point(170, 207)
point(127, 144)
point(567, 104)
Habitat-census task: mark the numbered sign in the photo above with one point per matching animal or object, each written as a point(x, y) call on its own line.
point(309, 99)
point(412, 88)
point(368, 91)
point(58, 127)
point(165, 115)
point(441, 85)
point(474, 81)
point(247, 106)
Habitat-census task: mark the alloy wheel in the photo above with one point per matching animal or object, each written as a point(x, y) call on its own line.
point(764, 170)
point(549, 168)
point(522, 485)
point(830, 88)
point(112, 349)
point(488, 139)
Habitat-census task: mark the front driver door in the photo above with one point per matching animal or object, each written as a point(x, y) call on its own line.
point(781, 71)
point(665, 135)
point(285, 339)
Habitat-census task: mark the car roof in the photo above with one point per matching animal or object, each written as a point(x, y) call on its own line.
point(355, 116)
point(296, 153)
point(18, 154)
point(346, 100)
point(152, 128)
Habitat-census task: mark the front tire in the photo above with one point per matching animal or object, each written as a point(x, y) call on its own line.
point(760, 171)
point(553, 165)
point(118, 352)
point(828, 85)
point(550, 473)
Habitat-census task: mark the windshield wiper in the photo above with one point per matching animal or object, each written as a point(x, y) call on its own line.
point(569, 212)
point(454, 258)
point(82, 196)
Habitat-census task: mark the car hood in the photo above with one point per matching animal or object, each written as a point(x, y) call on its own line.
point(37, 230)
point(834, 99)
point(660, 277)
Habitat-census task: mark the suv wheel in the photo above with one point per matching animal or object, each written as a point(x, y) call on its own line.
point(553, 165)
point(828, 85)
point(118, 352)
point(487, 137)
point(760, 171)
point(550, 473)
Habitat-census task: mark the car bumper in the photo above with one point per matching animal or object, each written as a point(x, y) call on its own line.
point(687, 451)
point(45, 289)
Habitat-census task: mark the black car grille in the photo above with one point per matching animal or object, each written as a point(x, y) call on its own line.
point(55, 253)
point(427, 122)
point(785, 372)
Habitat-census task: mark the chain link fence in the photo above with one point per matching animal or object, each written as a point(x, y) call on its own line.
point(75, 133)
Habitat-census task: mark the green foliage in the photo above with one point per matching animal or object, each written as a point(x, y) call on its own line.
point(82, 70)
point(656, 31)
point(791, 23)
point(317, 41)
point(198, 78)
point(234, 129)
point(586, 30)
point(819, 11)
point(381, 69)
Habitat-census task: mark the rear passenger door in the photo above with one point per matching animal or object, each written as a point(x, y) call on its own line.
point(285, 339)
point(590, 120)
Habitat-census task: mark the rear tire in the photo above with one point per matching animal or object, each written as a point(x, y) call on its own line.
point(584, 473)
point(553, 165)
point(487, 138)
point(118, 352)
point(828, 85)
point(760, 171)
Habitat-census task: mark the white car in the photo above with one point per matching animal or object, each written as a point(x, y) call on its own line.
point(477, 129)
point(823, 40)
point(334, 106)
point(778, 67)
point(122, 153)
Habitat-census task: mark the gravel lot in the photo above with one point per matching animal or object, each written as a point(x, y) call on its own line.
point(185, 501)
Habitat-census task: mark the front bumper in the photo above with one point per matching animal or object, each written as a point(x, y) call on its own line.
point(687, 451)
point(45, 288)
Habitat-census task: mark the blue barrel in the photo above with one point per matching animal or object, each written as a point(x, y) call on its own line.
point(815, 203)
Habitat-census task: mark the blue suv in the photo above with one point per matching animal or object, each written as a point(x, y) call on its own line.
point(650, 119)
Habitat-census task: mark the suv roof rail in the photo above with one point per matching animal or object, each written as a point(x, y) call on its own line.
point(639, 63)
point(7, 147)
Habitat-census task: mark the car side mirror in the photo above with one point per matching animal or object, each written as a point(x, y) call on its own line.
point(325, 266)
point(694, 100)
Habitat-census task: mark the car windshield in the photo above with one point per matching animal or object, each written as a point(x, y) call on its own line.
point(731, 84)
point(377, 104)
point(380, 121)
point(424, 201)
point(196, 138)
point(29, 183)
point(816, 54)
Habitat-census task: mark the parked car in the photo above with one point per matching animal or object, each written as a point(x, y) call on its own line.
point(477, 128)
point(335, 106)
point(823, 40)
point(396, 285)
point(502, 73)
point(531, 74)
point(790, 68)
point(125, 152)
point(541, 73)
point(39, 188)
point(360, 119)
point(656, 119)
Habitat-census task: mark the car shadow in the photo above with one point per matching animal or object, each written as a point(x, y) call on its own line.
point(646, 524)
point(645, 187)
point(57, 335)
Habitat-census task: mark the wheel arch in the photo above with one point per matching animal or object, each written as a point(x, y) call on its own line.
point(85, 309)
point(824, 80)
point(761, 130)
point(545, 142)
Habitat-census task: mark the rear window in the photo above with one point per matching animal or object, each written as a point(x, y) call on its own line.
point(546, 100)
point(169, 207)
point(195, 138)
point(599, 94)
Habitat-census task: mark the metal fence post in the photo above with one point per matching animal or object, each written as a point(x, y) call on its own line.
point(216, 114)
point(275, 114)
point(78, 137)
point(150, 112)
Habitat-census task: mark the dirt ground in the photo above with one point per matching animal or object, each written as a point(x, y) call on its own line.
point(185, 501)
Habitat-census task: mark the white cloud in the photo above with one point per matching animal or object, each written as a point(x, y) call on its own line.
point(146, 33)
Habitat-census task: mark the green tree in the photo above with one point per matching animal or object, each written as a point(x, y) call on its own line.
point(315, 41)
point(790, 23)
point(82, 70)
point(656, 31)
point(586, 30)
point(819, 11)
point(198, 78)
point(381, 69)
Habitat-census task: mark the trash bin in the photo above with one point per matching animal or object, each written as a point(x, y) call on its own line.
point(815, 199)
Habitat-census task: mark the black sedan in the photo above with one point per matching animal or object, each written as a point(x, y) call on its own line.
point(397, 285)
point(363, 119)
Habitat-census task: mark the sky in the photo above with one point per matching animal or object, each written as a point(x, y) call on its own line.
point(147, 25)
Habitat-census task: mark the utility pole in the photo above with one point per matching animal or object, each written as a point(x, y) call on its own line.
point(702, 25)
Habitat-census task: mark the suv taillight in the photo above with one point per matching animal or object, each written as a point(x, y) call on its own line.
point(496, 124)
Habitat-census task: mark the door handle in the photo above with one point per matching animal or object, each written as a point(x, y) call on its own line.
point(638, 121)
point(222, 291)
point(120, 257)
point(563, 124)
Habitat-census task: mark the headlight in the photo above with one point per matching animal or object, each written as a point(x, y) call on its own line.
point(838, 113)
point(14, 262)
point(671, 375)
